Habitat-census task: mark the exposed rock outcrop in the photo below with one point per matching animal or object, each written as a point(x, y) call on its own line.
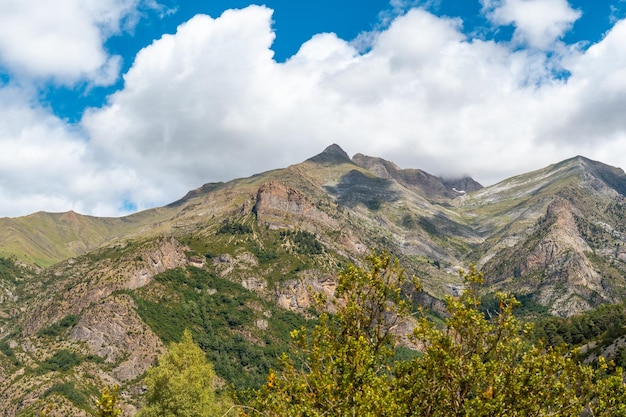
point(297, 295)
point(570, 279)
point(168, 254)
point(113, 330)
point(91, 281)
point(552, 264)
point(332, 155)
point(428, 185)
point(279, 205)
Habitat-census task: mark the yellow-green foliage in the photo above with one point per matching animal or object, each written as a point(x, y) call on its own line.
point(480, 367)
point(348, 356)
point(348, 365)
point(107, 404)
point(182, 385)
point(473, 366)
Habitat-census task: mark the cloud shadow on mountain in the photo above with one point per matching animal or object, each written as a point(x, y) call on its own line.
point(356, 188)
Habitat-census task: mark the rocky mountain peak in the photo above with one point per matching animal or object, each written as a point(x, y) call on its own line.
point(462, 185)
point(332, 155)
point(598, 176)
point(613, 177)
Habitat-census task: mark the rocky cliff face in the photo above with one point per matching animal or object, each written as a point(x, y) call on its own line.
point(297, 295)
point(279, 205)
point(432, 187)
point(112, 330)
point(569, 279)
point(101, 322)
point(569, 258)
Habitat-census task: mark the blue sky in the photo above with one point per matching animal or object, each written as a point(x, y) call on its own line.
point(112, 106)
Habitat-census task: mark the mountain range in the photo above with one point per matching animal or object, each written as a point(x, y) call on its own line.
point(88, 301)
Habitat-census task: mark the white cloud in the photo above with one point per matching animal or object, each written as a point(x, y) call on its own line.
point(209, 103)
point(46, 164)
point(538, 23)
point(192, 97)
point(590, 105)
point(63, 39)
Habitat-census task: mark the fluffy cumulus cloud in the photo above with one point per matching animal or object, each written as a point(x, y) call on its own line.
point(44, 164)
point(63, 39)
point(538, 23)
point(210, 103)
point(590, 105)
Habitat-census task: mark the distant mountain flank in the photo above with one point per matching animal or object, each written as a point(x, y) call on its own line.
point(433, 187)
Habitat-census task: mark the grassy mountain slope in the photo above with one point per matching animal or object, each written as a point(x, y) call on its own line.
point(44, 239)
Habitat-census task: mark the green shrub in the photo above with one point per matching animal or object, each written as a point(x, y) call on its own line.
point(222, 323)
point(6, 349)
point(62, 360)
point(234, 229)
point(56, 329)
point(265, 256)
point(304, 242)
point(69, 391)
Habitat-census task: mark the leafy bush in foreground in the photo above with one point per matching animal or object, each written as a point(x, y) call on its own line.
point(473, 366)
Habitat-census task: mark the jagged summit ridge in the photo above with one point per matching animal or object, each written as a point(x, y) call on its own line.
point(432, 186)
point(597, 175)
point(613, 177)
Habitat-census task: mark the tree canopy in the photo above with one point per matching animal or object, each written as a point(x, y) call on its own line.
point(473, 366)
point(107, 404)
point(345, 361)
point(182, 385)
